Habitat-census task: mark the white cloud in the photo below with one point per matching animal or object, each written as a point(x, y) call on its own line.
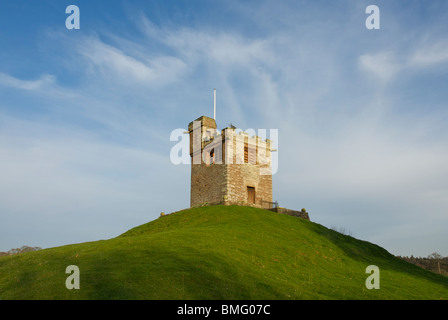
point(43, 82)
point(384, 64)
point(429, 55)
point(223, 48)
point(387, 64)
point(124, 68)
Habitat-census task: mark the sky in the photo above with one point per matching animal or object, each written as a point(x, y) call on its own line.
point(86, 114)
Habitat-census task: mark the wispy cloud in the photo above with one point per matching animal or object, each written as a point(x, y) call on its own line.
point(43, 82)
point(429, 55)
point(220, 47)
point(384, 65)
point(114, 63)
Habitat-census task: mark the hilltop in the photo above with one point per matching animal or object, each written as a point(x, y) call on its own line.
point(219, 252)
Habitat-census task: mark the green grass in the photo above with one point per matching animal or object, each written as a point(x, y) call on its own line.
point(219, 252)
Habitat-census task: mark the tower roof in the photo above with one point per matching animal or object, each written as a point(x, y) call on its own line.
point(206, 121)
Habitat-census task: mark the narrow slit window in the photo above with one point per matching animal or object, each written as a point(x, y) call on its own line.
point(212, 157)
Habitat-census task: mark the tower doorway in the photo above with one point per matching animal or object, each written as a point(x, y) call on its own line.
point(250, 194)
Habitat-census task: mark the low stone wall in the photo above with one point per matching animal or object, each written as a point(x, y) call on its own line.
point(294, 213)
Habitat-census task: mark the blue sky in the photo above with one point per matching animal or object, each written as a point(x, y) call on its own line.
point(86, 115)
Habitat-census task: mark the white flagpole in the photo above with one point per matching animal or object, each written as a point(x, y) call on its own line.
point(214, 105)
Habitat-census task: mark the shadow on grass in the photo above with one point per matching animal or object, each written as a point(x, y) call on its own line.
point(368, 253)
point(170, 275)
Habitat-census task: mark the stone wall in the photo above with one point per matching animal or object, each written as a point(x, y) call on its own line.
point(227, 184)
point(208, 184)
point(241, 176)
point(295, 213)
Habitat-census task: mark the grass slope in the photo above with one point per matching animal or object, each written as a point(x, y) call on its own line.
point(219, 253)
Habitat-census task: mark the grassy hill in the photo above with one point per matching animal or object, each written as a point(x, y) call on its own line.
point(219, 253)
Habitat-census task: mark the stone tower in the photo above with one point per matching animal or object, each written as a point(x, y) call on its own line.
point(228, 167)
